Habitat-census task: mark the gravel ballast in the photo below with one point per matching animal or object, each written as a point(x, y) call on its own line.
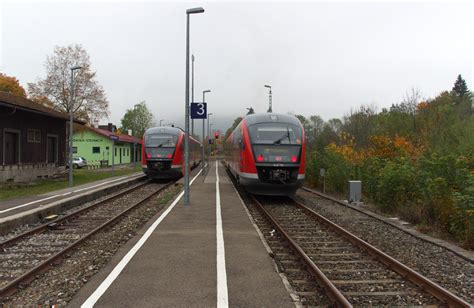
point(59, 284)
point(436, 263)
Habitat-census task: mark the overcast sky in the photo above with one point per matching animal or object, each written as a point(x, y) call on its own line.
point(320, 58)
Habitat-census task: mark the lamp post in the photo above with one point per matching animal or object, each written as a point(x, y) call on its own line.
point(269, 98)
point(161, 121)
point(204, 125)
point(192, 92)
point(210, 137)
point(71, 111)
point(197, 10)
point(209, 134)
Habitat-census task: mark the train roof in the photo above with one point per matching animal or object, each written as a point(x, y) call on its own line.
point(271, 117)
point(164, 129)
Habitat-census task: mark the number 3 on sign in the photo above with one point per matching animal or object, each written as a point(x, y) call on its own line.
point(201, 109)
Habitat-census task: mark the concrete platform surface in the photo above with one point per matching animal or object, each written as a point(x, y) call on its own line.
point(14, 206)
point(184, 263)
point(31, 210)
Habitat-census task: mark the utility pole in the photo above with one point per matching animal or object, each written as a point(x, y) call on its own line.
point(204, 125)
point(71, 111)
point(113, 151)
point(209, 135)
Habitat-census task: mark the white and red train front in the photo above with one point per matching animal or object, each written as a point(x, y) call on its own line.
point(266, 153)
point(163, 152)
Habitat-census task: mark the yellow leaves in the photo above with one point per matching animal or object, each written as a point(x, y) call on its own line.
point(11, 85)
point(379, 146)
point(422, 106)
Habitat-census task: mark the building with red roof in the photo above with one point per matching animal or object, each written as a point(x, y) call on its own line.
point(104, 145)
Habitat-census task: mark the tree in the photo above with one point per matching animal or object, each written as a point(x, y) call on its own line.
point(231, 129)
point(11, 85)
point(138, 119)
point(90, 101)
point(460, 87)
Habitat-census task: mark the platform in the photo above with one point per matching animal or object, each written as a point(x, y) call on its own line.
point(28, 209)
point(206, 254)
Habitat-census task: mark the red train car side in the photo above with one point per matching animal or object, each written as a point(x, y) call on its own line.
point(266, 153)
point(163, 152)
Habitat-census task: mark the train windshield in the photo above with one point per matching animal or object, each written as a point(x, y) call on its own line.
point(161, 140)
point(275, 133)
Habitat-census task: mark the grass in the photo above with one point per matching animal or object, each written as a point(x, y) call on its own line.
point(81, 176)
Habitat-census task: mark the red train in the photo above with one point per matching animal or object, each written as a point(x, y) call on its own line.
point(163, 152)
point(266, 154)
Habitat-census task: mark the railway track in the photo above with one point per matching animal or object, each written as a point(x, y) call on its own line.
point(351, 271)
point(24, 256)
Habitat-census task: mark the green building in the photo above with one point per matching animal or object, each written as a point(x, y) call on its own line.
point(98, 148)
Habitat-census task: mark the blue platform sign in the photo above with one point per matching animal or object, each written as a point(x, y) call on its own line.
point(114, 137)
point(198, 110)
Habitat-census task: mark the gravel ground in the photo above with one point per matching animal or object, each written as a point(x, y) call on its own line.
point(59, 284)
point(436, 263)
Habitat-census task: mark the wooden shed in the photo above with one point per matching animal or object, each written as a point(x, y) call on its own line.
point(33, 139)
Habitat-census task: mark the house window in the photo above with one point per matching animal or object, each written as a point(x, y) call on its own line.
point(34, 135)
point(74, 150)
point(95, 150)
point(128, 152)
point(115, 151)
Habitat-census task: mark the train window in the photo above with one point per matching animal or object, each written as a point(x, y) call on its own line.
point(275, 133)
point(161, 140)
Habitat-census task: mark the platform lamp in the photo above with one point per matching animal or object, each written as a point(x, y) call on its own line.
point(197, 10)
point(204, 125)
point(269, 98)
point(210, 137)
point(209, 134)
point(161, 121)
point(71, 111)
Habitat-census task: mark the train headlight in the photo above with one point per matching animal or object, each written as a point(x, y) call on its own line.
point(260, 157)
point(148, 155)
point(294, 159)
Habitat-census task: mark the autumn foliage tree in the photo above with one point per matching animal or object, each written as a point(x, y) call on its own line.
point(90, 101)
point(415, 159)
point(11, 85)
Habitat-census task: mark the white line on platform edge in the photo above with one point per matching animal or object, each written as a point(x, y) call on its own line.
point(222, 296)
point(58, 195)
point(90, 302)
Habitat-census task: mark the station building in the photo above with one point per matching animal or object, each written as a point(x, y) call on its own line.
point(33, 139)
point(96, 145)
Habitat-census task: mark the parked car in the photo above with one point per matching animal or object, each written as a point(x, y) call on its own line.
point(79, 162)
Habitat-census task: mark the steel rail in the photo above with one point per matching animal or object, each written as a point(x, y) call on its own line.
point(11, 286)
point(334, 294)
point(45, 226)
point(398, 267)
point(390, 223)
